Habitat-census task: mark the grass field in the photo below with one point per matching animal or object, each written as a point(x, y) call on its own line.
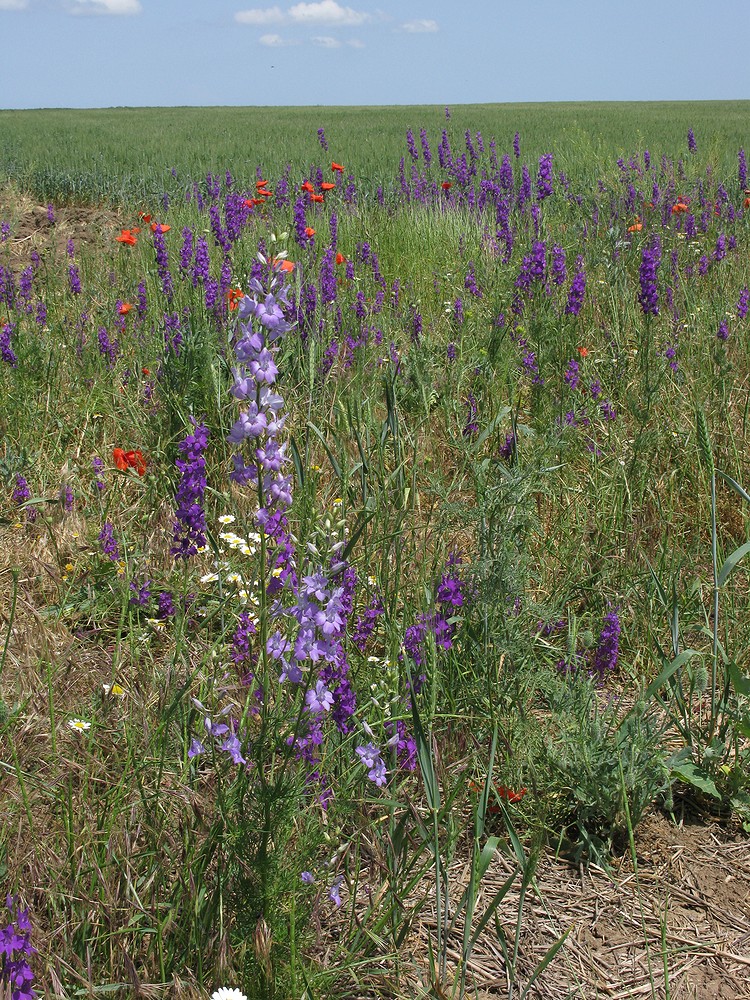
point(373, 498)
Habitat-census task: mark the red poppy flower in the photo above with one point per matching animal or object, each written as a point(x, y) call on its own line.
point(260, 184)
point(145, 371)
point(636, 227)
point(583, 351)
point(124, 308)
point(446, 185)
point(248, 202)
point(746, 203)
point(679, 206)
point(337, 166)
point(160, 226)
point(135, 229)
point(283, 265)
point(233, 297)
point(264, 193)
point(340, 258)
point(125, 460)
point(309, 231)
point(126, 237)
point(145, 216)
point(327, 186)
point(307, 186)
point(316, 197)
point(502, 791)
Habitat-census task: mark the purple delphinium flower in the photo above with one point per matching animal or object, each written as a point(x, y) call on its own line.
point(107, 348)
point(692, 144)
point(108, 542)
point(51, 214)
point(334, 892)
point(162, 263)
point(15, 948)
point(322, 139)
point(369, 754)
point(471, 427)
point(577, 291)
point(188, 247)
point(190, 518)
point(507, 450)
point(742, 303)
point(165, 606)
point(557, 266)
point(544, 177)
point(723, 331)
point(604, 659)
point(6, 351)
point(426, 153)
point(98, 466)
point(572, 374)
point(450, 353)
point(517, 145)
point(74, 279)
point(201, 266)
point(742, 169)
point(66, 498)
point(366, 623)
point(649, 294)
point(141, 593)
point(22, 493)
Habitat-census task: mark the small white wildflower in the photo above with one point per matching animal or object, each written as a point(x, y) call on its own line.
point(227, 519)
point(209, 578)
point(79, 725)
point(227, 992)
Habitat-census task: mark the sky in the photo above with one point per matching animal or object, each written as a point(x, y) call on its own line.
point(136, 53)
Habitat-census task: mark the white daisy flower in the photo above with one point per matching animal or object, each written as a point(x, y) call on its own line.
point(79, 725)
point(227, 519)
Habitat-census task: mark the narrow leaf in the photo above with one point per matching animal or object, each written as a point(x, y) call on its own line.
point(731, 561)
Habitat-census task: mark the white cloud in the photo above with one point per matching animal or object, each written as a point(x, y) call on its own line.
point(326, 42)
point(327, 12)
point(13, 4)
point(115, 7)
point(267, 15)
point(356, 43)
point(272, 41)
point(420, 27)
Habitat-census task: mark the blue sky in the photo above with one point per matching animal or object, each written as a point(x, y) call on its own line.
point(108, 53)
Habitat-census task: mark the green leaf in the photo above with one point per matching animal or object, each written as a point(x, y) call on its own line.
point(734, 484)
point(740, 683)
point(424, 756)
point(731, 561)
point(697, 777)
point(668, 670)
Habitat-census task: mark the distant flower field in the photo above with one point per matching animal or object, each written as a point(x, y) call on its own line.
point(374, 494)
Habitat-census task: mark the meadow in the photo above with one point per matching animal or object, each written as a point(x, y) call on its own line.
point(375, 497)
